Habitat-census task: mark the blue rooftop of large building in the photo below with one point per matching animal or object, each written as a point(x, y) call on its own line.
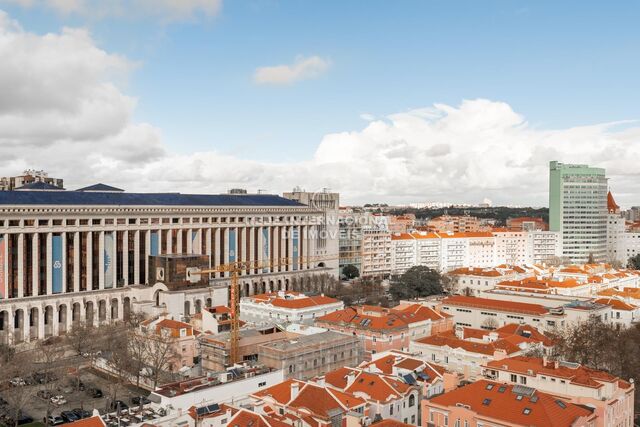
point(109, 198)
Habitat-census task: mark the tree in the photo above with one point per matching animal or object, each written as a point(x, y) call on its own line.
point(634, 262)
point(591, 259)
point(18, 366)
point(490, 323)
point(161, 354)
point(350, 271)
point(418, 281)
point(80, 338)
point(51, 368)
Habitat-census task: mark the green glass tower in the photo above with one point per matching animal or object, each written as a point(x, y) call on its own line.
point(578, 210)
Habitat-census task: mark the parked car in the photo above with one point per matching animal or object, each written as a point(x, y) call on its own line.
point(69, 416)
point(58, 400)
point(118, 404)
point(44, 394)
point(24, 419)
point(137, 400)
point(17, 382)
point(81, 413)
point(54, 420)
point(96, 393)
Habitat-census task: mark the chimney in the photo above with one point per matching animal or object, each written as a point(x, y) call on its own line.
point(295, 388)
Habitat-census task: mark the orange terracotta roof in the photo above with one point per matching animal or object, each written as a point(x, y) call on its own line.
point(245, 418)
point(486, 399)
point(296, 302)
point(322, 401)
point(378, 387)
point(390, 422)
point(579, 374)
point(338, 377)
point(493, 304)
point(280, 392)
point(616, 304)
point(378, 318)
point(88, 422)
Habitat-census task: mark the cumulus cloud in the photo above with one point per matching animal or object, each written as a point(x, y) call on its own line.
point(166, 10)
point(60, 110)
point(301, 69)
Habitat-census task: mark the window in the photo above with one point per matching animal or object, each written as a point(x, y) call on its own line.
point(262, 384)
point(526, 411)
point(486, 402)
point(412, 400)
point(390, 409)
point(514, 378)
point(523, 380)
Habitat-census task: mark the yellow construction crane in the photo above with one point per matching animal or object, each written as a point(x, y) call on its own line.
point(234, 269)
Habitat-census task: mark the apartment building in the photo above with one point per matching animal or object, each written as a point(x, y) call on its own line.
point(388, 397)
point(432, 378)
point(455, 224)
point(465, 350)
point(308, 356)
point(449, 251)
point(489, 403)
point(184, 344)
point(578, 210)
point(570, 309)
point(86, 255)
point(610, 396)
point(31, 179)
point(316, 403)
point(382, 329)
point(474, 312)
point(473, 281)
point(376, 252)
point(286, 306)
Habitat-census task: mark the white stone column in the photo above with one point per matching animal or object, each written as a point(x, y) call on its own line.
point(207, 242)
point(136, 257)
point(179, 247)
point(35, 263)
point(20, 255)
point(244, 238)
point(169, 241)
point(89, 243)
point(250, 246)
point(125, 257)
point(216, 250)
point(276, 248)
point(64, 263)
point(76, 267)
point(283, 251)
point(5, 267)
point(290, 229)
point(114, 257)
point(49, 266)
point(101, 260)
point(226, 249)
point(147, 252)
point(189, 240)
point(160, 232)
point(259, 242)
point(307, 247)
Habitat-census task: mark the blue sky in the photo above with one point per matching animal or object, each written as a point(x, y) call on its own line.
point(557, 64)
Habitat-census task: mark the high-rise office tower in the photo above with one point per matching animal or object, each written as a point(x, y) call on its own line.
point(578, 210)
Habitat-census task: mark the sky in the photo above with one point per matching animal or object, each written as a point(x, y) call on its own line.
point(382, 101)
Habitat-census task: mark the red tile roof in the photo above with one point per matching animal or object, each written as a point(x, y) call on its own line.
point(88, 422)
point(494, 304)
point(574, 373)
point(295, 302)
point(485, 399)
point(382, 319)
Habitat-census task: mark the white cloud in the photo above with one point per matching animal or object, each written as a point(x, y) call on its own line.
point(301, 69)
point(60, 110)
point(165, 10)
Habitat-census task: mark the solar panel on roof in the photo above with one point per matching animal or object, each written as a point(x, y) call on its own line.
point(213, 408)
point(409, 379)
point(522, 389)
point(201, 411)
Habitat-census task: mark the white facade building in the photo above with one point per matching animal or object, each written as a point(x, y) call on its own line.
point(283, 306)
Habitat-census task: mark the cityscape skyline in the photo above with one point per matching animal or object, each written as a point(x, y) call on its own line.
point(468, 133)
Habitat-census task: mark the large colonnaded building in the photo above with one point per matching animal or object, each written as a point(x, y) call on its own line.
point(95, 254)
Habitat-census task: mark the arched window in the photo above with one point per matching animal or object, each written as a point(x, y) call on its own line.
point(412, 400)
